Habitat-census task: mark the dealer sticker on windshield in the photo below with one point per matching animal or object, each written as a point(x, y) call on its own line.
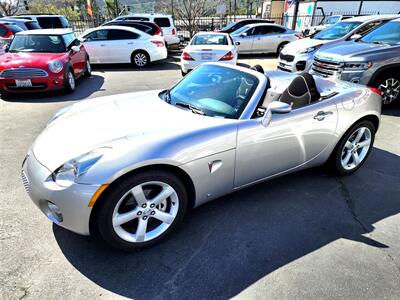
point(23, 83)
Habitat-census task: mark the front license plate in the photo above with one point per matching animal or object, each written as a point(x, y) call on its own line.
point(23, 83)
point(206, 56)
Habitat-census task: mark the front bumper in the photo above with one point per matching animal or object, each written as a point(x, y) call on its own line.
point(300, 63)
point(72, 202)
point(39, 84)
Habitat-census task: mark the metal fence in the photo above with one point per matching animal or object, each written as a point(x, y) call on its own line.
point(187, 28)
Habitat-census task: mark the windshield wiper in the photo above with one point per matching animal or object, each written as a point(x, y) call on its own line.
point(194, 109)
point(379, 43)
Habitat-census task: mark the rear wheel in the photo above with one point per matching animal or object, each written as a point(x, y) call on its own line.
point(280, 47)
point(88, 68)
point(354, 148)
point(389, 85)
point(69, 83)
point(142, 210)
point(140, 59)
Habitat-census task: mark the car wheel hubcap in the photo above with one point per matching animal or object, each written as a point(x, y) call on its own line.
point(140, 59)
point(71, 81)
point(145, 212)
point(356, 148)
point(390, 89)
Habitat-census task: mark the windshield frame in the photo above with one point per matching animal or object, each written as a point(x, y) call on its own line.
point(11, 50)
point(317, 36)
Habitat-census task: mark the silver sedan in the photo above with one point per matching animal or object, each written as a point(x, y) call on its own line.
point(263, 38)
point(128, 167)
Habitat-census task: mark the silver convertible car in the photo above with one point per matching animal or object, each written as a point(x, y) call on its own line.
point(128, 167)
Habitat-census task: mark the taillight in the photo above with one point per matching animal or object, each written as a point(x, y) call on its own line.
point(173, 31)
point(186, 56)
point(375, 90)
point(228, 56)
point(159, 31)
point(158, 43)
point(299, 35)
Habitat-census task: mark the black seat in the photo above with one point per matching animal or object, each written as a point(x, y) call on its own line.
point(302, 91)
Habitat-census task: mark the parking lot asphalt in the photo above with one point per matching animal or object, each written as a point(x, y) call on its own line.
point(309, 235)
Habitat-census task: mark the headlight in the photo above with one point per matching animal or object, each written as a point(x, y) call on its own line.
point(56, 66)
point(310, 49)
point(357, 65)
point(70, 172)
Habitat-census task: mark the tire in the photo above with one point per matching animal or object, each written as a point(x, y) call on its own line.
point(389, 85)
point(69, 83)
point(348, 146)
point(128, 235)
point(88, 68)
point(183, 73)
point(280, 47)
point(140, 59)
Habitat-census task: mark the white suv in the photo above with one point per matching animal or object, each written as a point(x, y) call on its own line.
point(165, 22)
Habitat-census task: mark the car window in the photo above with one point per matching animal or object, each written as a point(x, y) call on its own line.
point(115, 34)
point(275, 29)
point(57, 23)
point(216, 90)
point(3, 30)
point(45, 23)
point(162, 22)
point(136, 18)
point(98, 35)
point(210, 39)
point(32, 25)
point(241, 30)
point(388, 33)
point(68, 39)
point(14, 28)
point(37, 43)
point(368, 27)
point(336, 31)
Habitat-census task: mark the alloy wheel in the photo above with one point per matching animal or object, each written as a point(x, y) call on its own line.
point(88, 67)
point(71, 81)
point(145, 212)
point(356, 148)
point(390, 89)
point(140, 59)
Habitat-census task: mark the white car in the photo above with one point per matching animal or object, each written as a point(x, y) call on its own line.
point(263, 38)
point(119, 44)
point(206, 47)
point(165, 22)
point(298, 56)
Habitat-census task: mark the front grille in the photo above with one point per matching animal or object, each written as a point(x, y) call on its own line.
point(25, 181)
point(326, 68)
point(23, 73)
point(286, 57)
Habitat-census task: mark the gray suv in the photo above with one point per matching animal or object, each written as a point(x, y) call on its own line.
point(372, 60)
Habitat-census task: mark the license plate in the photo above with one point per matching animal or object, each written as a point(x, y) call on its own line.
point(206, 56)
point(23, 83)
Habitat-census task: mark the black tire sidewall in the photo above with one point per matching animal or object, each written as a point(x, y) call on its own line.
point(104, 215)
point(87, 72)
point(67, 86)
point(337, 153)
point(280, 47)
point(133, 59)
point(382, 78)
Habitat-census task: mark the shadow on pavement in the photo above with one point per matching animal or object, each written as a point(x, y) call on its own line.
point(226, 245)
point(84, 88)
point(392, 110)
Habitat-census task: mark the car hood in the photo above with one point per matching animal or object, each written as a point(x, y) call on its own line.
point(140, 117)
point(27, 60)
point(302, 44)
point(345, 51)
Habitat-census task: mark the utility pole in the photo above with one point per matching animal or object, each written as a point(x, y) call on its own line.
point(235, 9)
point(251, 8)
point(360, 7)
point(172, 8)
point(296, 12)
point(116, 8)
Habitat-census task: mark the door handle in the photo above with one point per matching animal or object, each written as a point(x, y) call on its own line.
point(321, 115)
point(131, 43)
point(102, 45)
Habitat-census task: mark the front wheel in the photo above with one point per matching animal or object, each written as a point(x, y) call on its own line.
point(389, 85)
point(142, 210)
point(354, 148)
point(69, 84)
point(88, 69)
point(280, 47)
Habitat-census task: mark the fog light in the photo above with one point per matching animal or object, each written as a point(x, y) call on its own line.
point(56, 82)
point(301, 65)
point(54, 212)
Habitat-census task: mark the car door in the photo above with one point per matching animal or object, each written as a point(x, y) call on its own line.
point(288, 142)
point(259, 34)
point(246, 41)
point(273, 37)
point(95, 45)
point(78, 59)
point(121, 44)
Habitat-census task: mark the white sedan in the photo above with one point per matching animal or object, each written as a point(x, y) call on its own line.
point(119, 44)
point(206, 47)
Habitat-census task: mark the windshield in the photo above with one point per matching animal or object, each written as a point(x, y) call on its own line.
point(388, 33)
point(229, 26)
point(332, 20)
point(38, 43)
point(336, 31)
point(240, 30)
point(216, 91)
point(210, 39)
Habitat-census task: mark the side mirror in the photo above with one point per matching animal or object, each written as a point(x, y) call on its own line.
point(75, 48)
point(243, 34)
point(355, 37)
point(237, 43)
point(6, 48)
point(275, 107)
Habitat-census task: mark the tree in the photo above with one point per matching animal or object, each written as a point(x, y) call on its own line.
point(9, 7)
point(65, 7)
